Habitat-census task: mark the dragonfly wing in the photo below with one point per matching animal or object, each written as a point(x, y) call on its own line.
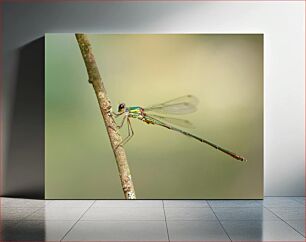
point(175, 121)
point(181, 105)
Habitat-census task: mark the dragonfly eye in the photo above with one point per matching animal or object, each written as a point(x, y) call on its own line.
point(121, 107)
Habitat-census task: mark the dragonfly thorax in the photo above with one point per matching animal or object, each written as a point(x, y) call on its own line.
point(135, 112)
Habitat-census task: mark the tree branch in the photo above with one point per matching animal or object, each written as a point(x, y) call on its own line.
point(105, 108)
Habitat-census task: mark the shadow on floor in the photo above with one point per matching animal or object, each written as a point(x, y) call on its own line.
point(23, 231)
point(24, 166)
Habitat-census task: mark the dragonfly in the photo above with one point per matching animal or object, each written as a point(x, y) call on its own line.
point(155, 115)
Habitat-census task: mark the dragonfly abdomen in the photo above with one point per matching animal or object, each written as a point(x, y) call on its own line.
point(203, 141)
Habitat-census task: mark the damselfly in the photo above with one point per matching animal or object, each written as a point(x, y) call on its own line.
point(182, 105)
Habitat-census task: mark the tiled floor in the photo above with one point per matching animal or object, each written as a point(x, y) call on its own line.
point(273, 219)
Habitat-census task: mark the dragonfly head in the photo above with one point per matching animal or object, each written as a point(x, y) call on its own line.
point(121, 107)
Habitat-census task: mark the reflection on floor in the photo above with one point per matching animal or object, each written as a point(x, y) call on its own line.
point(274, 219)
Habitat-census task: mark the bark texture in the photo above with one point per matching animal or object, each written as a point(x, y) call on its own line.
point(105, 108)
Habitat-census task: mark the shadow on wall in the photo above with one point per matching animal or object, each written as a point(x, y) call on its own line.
point(24, 169)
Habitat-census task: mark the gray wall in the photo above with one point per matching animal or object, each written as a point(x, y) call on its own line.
point(23, 74)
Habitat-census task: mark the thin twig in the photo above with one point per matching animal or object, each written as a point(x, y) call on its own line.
point(105, 108)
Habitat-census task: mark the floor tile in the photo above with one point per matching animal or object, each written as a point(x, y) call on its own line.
point(298, 225)
point(189, 214)
point(289, 212)
point(185, 203)
point(244, 214)
point(7, 224)
point(261, 231)
point(7, 227)
point(128, 203)
point(16, 213)
point(39, 230)
point(140, 220)
point(118, 231)
point(70, 203)
point(300, 200)
point(55, 213)
point(235, 203)
point(196, 231)
point(124, 214)
point(22, 203)
point(281, 202)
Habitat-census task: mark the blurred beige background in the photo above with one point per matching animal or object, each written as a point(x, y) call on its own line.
point(225, 72)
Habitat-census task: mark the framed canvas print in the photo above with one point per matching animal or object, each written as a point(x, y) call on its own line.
point(154, 116)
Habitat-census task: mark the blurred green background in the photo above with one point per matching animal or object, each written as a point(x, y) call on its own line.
point(224, 71)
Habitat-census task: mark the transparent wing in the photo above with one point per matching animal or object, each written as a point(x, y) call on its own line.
point(181, 105)
point(175, 121)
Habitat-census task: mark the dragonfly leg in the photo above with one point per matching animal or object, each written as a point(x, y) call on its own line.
point(116, 115)
point(130, 135)
point(119, 126)
point(126, 138)
point(122, 122)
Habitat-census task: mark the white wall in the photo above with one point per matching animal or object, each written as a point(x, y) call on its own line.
point(283, 26)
